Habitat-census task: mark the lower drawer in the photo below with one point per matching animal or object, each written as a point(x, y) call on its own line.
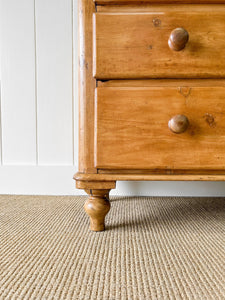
point(131, 128)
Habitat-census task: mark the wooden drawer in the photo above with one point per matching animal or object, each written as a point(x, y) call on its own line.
point(131, 44)
point(131, 128)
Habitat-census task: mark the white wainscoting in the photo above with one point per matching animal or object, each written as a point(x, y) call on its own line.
point(39, 105)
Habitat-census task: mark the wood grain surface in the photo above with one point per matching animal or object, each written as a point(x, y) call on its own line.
point(97, 206)
point(135, 45)
point(147, 7)
point(157, 1)
point(132, 128)
point(87, 85)
point(163, 83)
point(81, 177)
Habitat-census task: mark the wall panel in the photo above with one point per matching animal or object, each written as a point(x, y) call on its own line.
point(18, 82)
point(54, 82)
point(75, 79)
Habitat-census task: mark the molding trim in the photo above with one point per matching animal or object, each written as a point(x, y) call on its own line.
point(38, 180)
point(58, 180)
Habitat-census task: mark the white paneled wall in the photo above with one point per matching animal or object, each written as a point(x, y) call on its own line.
point(38, 138)
point(54, 68)
point(39, 104)
point(18, 115)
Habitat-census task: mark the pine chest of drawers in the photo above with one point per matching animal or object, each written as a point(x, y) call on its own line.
point(152, 95)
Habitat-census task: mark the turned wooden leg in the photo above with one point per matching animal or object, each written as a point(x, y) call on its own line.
point(97, 206)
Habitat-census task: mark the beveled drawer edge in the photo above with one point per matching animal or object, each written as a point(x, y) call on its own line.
point(161, 172)
point(122, 2)
point(162, 82)
point(156, 7)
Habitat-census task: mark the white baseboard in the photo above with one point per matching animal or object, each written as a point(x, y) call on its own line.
point(57, 180)
point(40, 180)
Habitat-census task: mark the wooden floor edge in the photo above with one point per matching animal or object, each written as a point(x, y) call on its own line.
point(138, 177)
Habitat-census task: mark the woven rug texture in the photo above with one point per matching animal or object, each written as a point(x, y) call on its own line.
point(153, 248)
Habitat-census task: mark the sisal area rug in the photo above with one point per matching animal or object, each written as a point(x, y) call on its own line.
point(153, 248)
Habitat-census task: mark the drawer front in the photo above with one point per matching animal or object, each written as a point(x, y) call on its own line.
point(135, 45)
point(131, 128)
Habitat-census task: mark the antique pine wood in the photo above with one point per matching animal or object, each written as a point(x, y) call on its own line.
point(135, 45)
point(152, 7)
point(182, 84)
point(157, 1)
point(97, 206)
point(86, 87)
point(166, 119)
point(132, 128)
point(105, 177)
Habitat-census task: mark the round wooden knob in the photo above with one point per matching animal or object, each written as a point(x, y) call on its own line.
point(178, 124)
point(178, 39)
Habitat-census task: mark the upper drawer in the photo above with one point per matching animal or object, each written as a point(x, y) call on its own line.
point(135, 45)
